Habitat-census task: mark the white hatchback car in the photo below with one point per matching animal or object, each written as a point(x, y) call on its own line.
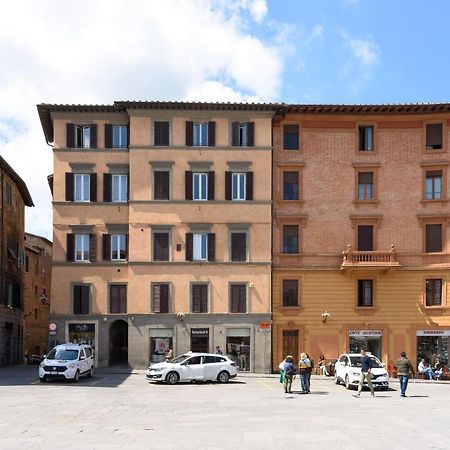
point(348, 371)
point(194, 367)
point(67, 362)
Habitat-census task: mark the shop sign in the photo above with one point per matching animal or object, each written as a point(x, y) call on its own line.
point(433, 333)
point(264, 325)
point(199, 331)
point(81, 327)
point(365, 333)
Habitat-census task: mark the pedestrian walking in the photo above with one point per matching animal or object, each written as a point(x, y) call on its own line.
point(288, 369)
point(219, 351)
point(404, 369)
point(304, 367)
point(366, 369)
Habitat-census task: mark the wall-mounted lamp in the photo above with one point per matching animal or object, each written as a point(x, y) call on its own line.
point(325, 316)
point(132, 319)
point(250, 285)
point(180, 316)
point(104, 319)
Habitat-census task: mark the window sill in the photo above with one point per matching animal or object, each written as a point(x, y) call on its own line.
point(366, 152)
point(365, 310)
point(290, 202)
point(289, 254)
point(434, 200)
point(366, 201)
point(438, 308)
point(290, 310)
point(433, 254)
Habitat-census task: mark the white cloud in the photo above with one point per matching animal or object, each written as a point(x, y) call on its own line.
point(101, 51)
point(366, 51)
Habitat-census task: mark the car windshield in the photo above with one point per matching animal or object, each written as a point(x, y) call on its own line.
point(356, 362)
point(63, 354)
point(179, 359)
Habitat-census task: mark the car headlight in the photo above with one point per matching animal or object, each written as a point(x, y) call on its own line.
point(41, 365)
point(156, 369)
point(355, 374)
point(71, 366)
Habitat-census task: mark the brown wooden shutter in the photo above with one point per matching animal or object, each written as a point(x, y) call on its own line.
point(189, 246)
point(228, 181)
point(114, 307)
point(234, 298)
point(196, 298)
point(106, 244)
point(93, 140)
point(189, 134)
point(211, 247)
point(93, 187)
point(69, 187)
point(164, 290)
point(433, 238)
point(108, 135)
point(250, 134)
point(242, 292)
point(156, 298)
point(188, 185)
point(127, 246)
point(70, 247)
point(70, 135)
point(365, 238)
point(211, 134)
point(92, 248)
point(107, 187)
point(161, 130)
point(211, 185)
point(77, 299)
point(161, 185)
point(238, 246)
point(128, 186)
point(161, 246)
point(165, 133)
point(235, 134)
point(434, 136)
point(249, 185)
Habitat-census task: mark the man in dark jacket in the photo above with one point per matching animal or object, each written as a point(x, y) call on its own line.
point(404, 369)
point(366, 369)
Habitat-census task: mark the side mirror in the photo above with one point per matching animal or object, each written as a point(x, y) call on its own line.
point(81, 358)
point(383, 365)
point(43, 357)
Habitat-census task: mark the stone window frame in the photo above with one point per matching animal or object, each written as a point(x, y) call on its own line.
point(431, 166)
point(375, 137)
point(444, 148)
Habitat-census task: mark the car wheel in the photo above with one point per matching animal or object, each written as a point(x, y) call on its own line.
point(76, 378)
point(347, 382)
point(172, 378)
point(91, 372)
point(42, 380)
point(223, 377)
point(336, 380)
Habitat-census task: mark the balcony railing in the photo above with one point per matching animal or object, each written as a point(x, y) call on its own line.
point(369, 259)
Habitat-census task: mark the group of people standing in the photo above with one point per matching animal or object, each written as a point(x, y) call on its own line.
point(288, 369)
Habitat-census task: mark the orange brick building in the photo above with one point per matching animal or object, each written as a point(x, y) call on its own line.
point(360, 232)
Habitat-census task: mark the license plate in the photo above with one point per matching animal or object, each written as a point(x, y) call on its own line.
point(54, 373)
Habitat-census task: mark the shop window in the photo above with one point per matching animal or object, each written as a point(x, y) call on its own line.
point(365, 137)
point(433, 185)
point(160, 345)
point(238, 348)
point(433, 295)
point(365, 293)
point(433, 238)
point(433, 345)
point(365, 186)
point(290, 185)
point(118, 299)
point(434, 136)
point(290, 293)
point(368, 339)
point(290, 137)
point(290, 239)
point(82, 333)
point(81, 299)
point(365, 238)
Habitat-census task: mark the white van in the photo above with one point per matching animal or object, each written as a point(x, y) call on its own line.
point(67, 362)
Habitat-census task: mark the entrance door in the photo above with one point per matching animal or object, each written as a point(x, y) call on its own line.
point(365, 238)
point(118, 343)
point(290, 344)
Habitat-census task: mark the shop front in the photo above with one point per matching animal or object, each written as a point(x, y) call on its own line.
point(432, 345)
point(368, 339)
point(200, 340)
point(83, 333)
point(238, 347)
point(161, 340)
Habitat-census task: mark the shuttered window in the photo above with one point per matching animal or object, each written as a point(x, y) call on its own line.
point(433, 295)
point(199, 297)
point(238, 293)
point(434, 136)
point(81, 295)
point(433, 185)
point(290, 137)
point(160, 297)
point(161, 246)
point(161, 186)
point(290, 239)
point(365, 238)
point(200, 186)
point(238, 246)
point(118, 299)
point(82, 247)
point(290, 293)
point(242, 134)
point(365, 293)
point(365, 134)
point(290, 185)
point(120, 188)
point(365, 185)
point(433, 238)
point(200, 136)
point(161, 134)
point(118, 247)
point(81, 136)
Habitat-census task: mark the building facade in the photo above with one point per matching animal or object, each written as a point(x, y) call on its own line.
point(37, 293)
point(361, 250)
point(162, 224)
point(14, 196)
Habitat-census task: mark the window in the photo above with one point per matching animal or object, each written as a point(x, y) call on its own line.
point(82, 187)
point(118, 298)
point(9, 194)
point(238, 293)
point(200, 186)
point(365, 185)
point(238, 186)
point(365, 238)
point(433, 295)
point(118, 247)
point(120, 136)
point(161, 246)
point(365, 293)
point(161, 134)
point(200, 134)
point(200, 247)
point(434, 136)
point(161, 186)
point(82, 247)
point(160, 297)
point(290, 137)
point(365, 138)
point(82, 136)
point(433, 185)
point(238, 246)
point(290, 185)
point(242, 134)
point(199, 295)
point(290, 293)
point(120, 188)
point(81, 295)
point(433, 238)
point(290, 239)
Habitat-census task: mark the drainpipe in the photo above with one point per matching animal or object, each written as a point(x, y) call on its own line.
point(2, 240)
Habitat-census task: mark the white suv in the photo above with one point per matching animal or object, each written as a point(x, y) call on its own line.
point(348, 371)
point(193, 367)
point(67, 362)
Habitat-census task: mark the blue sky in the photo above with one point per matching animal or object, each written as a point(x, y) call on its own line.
point(295, 51)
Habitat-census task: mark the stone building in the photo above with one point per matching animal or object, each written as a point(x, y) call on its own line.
point(14, 196)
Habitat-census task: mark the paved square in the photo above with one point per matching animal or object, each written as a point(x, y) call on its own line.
point(125, 411)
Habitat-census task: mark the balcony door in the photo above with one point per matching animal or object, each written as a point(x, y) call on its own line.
point(365, 238)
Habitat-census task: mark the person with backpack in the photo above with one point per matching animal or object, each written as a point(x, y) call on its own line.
point(304, 366)
point(288, 369)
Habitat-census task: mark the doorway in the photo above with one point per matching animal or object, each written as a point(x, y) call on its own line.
point(118, 343)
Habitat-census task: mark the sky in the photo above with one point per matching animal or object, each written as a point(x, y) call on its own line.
point(292, 51)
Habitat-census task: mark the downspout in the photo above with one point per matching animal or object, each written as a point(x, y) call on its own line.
point(2, 242)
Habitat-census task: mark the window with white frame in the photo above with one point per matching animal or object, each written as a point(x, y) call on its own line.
point(81, 247)
point(118, 247)
point(83, 136)
point(200, 247)
point(200, 134)
point(200, 186)
point(82, 187)
point(120, 136)
point(119, 188)
point(238, 186)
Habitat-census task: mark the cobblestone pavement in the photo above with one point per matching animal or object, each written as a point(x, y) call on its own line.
point(116, 409)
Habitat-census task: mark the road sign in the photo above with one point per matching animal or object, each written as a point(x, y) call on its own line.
point(52, 326)
point(264, 326)
point(52, 333)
